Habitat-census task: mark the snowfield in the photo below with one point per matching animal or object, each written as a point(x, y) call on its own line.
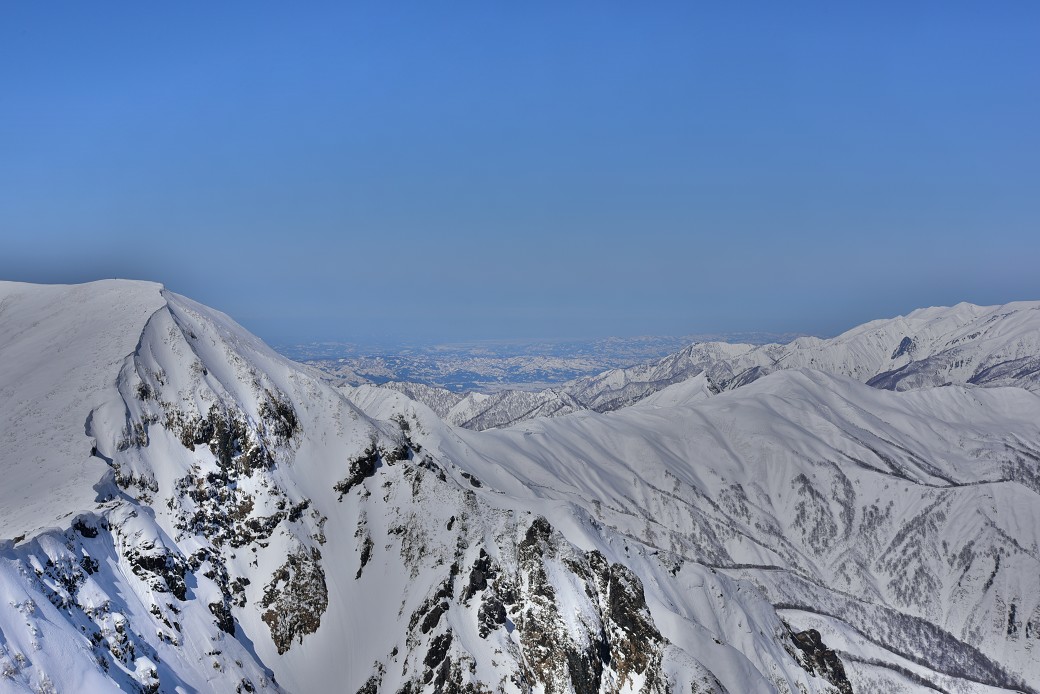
point(185, 510)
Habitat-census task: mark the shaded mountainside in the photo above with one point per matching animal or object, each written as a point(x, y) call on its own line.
point(217, 518)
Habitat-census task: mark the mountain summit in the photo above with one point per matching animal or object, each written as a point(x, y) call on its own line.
point(186, 510)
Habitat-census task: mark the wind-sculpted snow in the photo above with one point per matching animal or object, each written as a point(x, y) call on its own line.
point(62, 347)
point(218, 518)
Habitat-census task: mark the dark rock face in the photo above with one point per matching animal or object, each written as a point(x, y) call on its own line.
point(433, 617)
point(438, 649)
point(222, 612)
point(89, 564)
point(478, 576)
point(280, 418)
point(906, 346)
point(817, 659)
point(295, 599)
point(371, 686)
point(608, 643)
point(236, 445)
point(360, 468)
point(365, 465)
point(366, 555)
point(624, 641)
point(490, 616)
point(163, 570)
point(84, 529)
point(542, 632)
point(213, 504)
point(634, 639)
point(472, 480)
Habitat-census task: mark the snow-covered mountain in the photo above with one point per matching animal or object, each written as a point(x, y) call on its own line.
point(493, 365)
point(481, 411)
point(965, 344)
point(185, 510)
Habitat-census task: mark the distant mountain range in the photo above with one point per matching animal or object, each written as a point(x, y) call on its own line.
point(490, 366)
point(965, 344)
point(186, 510)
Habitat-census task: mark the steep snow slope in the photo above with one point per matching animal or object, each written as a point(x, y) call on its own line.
point(909, 520)
point(249, 528)
point(189, 504)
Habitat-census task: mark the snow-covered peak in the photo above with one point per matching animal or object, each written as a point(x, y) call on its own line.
point(61, 351)
point(980, 345)
point(218, 518)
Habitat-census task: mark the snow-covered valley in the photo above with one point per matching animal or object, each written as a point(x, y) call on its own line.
point(186, 510)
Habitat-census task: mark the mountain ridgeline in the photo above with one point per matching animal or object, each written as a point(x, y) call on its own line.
point(186, 510)
point(963, 345)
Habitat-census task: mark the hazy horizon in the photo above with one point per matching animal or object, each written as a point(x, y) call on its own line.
point(481, 172)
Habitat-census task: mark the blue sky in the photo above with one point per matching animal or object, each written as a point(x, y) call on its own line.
point(451, 171)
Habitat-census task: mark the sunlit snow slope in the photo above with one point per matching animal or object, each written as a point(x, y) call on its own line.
point(185, 510)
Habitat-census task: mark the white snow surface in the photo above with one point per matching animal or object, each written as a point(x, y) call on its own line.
point(242, 525)
point(62, 349)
